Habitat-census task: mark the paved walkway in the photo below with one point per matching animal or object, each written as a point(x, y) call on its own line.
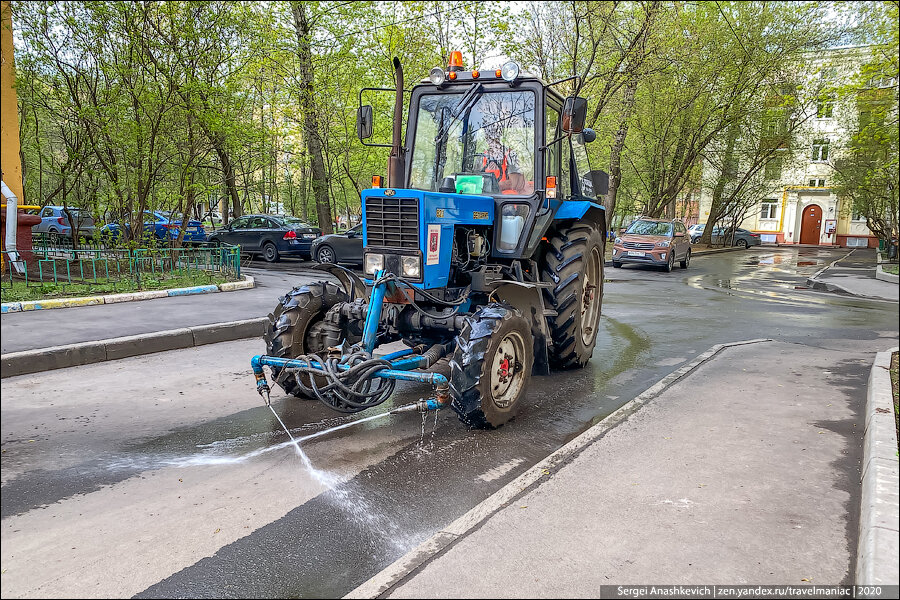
point(770, 496)
point(855, 274)
point(60, 326)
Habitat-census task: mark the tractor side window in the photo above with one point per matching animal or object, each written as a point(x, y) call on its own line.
point(565, 176)
point(582, 167)
point(551, 156)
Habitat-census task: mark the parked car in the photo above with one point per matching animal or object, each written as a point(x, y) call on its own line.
point(737, 237)
point(159, 225)
point(272, 236)
point(695, 231)
point(659, 242)
point(344, 248)
point(55, 222)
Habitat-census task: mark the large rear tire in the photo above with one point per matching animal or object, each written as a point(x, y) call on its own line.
point(491, 366)
point(574, 264)
point(288, 333)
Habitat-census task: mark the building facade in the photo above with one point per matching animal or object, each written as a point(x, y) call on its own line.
point(798, 203)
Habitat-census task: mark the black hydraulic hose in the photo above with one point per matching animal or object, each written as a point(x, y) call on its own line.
point(347, 390)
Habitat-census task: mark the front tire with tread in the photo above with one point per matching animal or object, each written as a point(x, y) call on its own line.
point(483, 397)
point(287, 335)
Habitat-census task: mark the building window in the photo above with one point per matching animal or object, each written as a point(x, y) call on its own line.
point(824, 109)
point(773, 168)
point(858, 216)
point(820, 150)
point(768, 209)
point(816, 183)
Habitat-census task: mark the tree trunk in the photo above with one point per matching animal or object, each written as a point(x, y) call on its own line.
point(615, 154)
point(716, 209)
point(310, 117)
point(230, 180)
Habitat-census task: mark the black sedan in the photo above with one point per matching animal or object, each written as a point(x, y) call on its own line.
point(344, 248)
point(272, 236)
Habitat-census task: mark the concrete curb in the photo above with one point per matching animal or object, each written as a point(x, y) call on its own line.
point(883, 276)
point(878, 551)
point(395, 573)
point(229, 286)
point(72, 355)
point(815, 283)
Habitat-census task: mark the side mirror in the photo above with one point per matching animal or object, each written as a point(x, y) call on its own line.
point(351, 233)
point(622, 229)
point(588, 135)
point(574, 114)
point(364, 122)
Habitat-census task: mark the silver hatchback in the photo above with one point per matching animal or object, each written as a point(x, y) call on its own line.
point(55, 222)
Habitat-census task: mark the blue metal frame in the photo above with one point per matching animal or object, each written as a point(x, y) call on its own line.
point(400, 369)
point(373, 315)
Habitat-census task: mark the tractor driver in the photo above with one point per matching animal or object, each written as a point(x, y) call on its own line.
point(503, 162)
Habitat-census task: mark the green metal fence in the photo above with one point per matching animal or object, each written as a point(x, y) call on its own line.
point(70, 268)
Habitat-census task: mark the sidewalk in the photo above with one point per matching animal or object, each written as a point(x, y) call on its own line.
point(755, 484)
point(63, 326)
point(855, 275)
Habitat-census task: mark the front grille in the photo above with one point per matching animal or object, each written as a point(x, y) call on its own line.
point(392, 222)
point(638, 246)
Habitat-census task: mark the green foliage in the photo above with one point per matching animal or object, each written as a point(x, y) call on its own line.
point(197, 106)
point(867, 169)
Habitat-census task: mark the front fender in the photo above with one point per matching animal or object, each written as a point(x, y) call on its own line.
point(353, 285)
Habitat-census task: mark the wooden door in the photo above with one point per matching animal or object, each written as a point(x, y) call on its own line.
point(811, 225)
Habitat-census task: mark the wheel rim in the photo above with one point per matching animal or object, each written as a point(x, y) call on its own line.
point(270, 253)
point(326, 255)
point(742, 243)
point(590, 298)
point(507, 370)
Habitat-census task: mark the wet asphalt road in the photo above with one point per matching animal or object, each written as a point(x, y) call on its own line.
point(138, 477)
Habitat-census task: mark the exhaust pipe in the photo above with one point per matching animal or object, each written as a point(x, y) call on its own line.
point(395, 161)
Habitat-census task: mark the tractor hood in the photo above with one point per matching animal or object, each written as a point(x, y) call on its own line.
point(403, 222)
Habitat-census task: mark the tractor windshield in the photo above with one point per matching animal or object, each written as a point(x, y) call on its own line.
point(485, 144)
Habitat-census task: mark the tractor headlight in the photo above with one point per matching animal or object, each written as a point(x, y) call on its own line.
point(509, 72)
point(437, 76)
point(410, 266)
point(374, 263)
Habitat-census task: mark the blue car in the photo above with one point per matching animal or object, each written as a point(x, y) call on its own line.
point(161, 225)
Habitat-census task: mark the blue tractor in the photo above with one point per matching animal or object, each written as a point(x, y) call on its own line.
point(485, 247)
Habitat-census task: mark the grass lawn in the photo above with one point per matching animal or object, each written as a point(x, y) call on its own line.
point(19, 291)
point(892, 269)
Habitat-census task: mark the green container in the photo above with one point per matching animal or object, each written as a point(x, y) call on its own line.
point(881, 245)
point(469, 184)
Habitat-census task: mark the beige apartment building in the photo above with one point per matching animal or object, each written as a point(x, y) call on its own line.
point(800, 205)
